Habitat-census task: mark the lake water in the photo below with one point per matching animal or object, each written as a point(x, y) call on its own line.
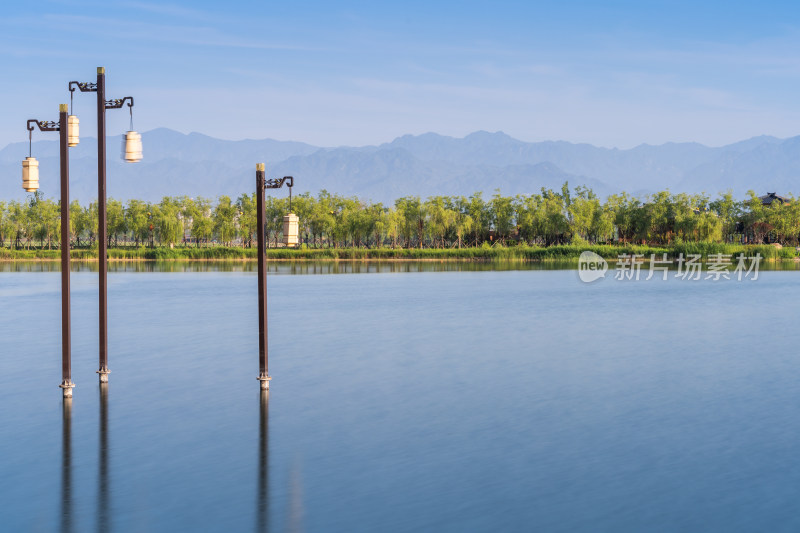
point(518, 400)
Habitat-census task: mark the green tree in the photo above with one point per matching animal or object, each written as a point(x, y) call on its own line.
point(17, 216)
point(729, 211)
point(501, 209)
point(50, 221)
point(552, 222)
point(303, 206)
point(583, 213)
point(274, 210)
point(167, 221)
point(248, 224)
point(115, 220)
point(4, 224)
point(200, 214)
point(78, 221)
point(137, 220)
point(413, 213)
point(224, 214)
point(462, 222)
point(440, 219)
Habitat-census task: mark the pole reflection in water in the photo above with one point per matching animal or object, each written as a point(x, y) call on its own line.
point(295, 502)
point(262, 505)
point(66, 466)
point(103, 489)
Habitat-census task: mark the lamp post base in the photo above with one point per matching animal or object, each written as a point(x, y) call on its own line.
point(104, 375)
point(264, 382)
point(67, 387)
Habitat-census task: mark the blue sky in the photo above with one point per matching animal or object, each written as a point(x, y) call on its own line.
point(352, 73)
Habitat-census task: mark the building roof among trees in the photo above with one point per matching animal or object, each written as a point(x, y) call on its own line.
point(770, 197)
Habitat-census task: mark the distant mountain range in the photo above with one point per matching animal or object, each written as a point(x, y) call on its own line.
point(197, 165)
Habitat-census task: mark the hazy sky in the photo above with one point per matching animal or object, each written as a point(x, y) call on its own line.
point(611, 73)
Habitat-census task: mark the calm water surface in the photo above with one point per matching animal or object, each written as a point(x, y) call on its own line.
point(422, 401)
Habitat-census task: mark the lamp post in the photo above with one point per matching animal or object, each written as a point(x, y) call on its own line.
point(263, 347)
point(263, 355)
point(64, 134)
point(99, 88)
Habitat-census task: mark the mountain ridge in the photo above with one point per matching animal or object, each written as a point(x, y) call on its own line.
point(196, 164)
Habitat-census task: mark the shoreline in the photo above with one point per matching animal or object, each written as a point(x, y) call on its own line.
point(524, 254)
point(279, 260)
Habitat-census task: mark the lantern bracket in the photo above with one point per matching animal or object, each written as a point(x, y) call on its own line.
point(91, 87)
point(46, 125)
point(277, 183)
point(117, 103)
point(85, 87)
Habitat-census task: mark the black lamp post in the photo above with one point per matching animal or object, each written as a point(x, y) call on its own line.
point(99, 87)
point(66, 341)
point(263, 347)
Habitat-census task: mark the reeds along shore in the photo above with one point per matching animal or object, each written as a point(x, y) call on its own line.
point(485, 253)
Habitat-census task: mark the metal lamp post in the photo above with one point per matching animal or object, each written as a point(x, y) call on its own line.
point(263, 347)
point(66, 341)
point(99, 87)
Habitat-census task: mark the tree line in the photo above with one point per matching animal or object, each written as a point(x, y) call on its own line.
point(329, 220)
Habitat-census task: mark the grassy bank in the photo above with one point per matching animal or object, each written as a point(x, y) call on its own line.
point(518, 253)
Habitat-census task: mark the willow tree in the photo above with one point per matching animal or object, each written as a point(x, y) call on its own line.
point(478, 211)
point(3, 224)
point(115, 219)
point(201, 220)
point(413, 213)
point(137, 216)
point(440, 219)
point(49, 220)
point(462, 222)
point(551, 219)
point(394, 225)
point(583, 213)
point(248, 222)
point(501, 209)
point(224, 214)
point(168, 221)
point(729, 212)
point(379, 222)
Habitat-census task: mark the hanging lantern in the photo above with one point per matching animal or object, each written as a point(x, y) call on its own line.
point(132, 147)
point(290, 224)
point(73, 130)
point(30, 174)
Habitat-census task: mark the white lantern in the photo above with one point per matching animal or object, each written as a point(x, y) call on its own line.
point(290, 223)
point(73, 130)
point(30, 174)
point(132, 147)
